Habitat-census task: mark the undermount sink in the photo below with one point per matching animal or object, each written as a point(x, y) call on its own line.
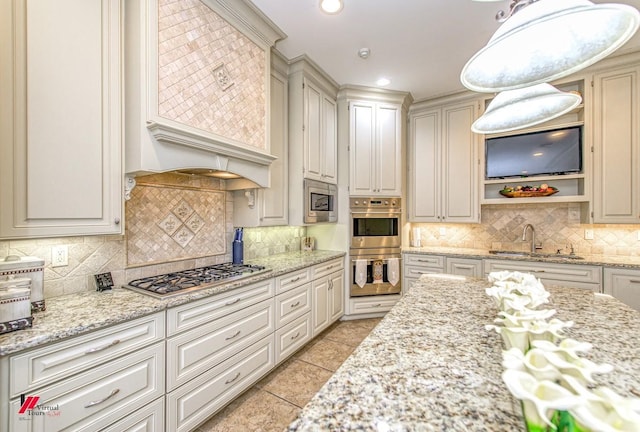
point(534, 255)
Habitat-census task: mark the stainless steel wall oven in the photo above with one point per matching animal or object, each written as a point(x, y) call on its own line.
point(375, 246)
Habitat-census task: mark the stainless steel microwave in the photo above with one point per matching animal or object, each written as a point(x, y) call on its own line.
point(320, 202)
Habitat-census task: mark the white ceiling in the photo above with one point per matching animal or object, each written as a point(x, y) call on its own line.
point(420, 45)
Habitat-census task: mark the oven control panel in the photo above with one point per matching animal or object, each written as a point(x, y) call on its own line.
point(392, 204)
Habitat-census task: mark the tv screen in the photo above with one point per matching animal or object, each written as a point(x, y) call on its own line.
point(557, 151)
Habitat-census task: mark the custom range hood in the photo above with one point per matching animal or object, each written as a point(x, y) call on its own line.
point(197, 77)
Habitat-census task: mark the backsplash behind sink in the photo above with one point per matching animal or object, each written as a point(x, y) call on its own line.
point(557, 227)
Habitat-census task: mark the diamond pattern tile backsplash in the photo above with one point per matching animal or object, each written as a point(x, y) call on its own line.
point(166, 223)
point(557, 225)
point(210, 76)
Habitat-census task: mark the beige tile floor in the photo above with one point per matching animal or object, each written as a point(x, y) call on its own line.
point(274, 402)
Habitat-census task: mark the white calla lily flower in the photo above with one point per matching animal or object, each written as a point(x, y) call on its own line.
point(540, 399)
point(606, 411)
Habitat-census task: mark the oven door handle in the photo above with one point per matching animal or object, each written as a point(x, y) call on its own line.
point(384, 213)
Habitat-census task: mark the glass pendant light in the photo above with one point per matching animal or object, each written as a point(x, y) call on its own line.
point(546, 40)
point(526, 107)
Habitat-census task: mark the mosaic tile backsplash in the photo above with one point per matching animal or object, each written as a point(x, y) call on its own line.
point(501, 228)
point(210, 76)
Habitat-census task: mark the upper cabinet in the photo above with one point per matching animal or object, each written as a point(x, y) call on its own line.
point(313, 121)
point(313, 139)
point(376, 153)
point(270, 206)
point(443, 162)
point(198, 87)
point(60, 127)
point(616, 147)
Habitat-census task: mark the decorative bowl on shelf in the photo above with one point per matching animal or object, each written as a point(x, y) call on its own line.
point(528, 191)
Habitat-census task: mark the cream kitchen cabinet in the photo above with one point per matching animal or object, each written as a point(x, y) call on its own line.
point(270, 206)
point(293, 313)
point(623, 284)
point(93, 379)
point(313, 122)
point(415, 265)
point(327, 294)
point(443, 163)
point(376, 153)
point(616, 146)
point(567, 275)
point(216, 348)
point(61, 134)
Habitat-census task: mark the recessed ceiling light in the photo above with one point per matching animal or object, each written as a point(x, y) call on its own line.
point(383, 81)
point(331, 6)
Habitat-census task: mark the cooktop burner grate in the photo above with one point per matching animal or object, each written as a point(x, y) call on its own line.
point(164, 285)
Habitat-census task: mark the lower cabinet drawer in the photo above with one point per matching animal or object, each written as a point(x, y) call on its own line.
point(568, 275)
point(292, 337)
point(374, 305)
point(292, 304)
point(191, 353)
point(42, 366)
point(149, 418)
point(200, 398)
point(91, 400)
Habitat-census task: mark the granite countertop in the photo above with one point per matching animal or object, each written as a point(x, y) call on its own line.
point(430, 364)
point(630, 262)
point(75, 314)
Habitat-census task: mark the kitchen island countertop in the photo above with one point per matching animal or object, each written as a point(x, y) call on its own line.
point(75, 314)
point(430, 364)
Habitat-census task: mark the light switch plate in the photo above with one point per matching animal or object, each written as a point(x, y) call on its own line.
point(443, 231)
point(588, 234)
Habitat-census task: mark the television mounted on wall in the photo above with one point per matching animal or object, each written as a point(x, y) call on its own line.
point(549, 152)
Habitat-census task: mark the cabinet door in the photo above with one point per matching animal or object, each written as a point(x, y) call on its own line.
point(624, 285)
point(362, 152)
point(329, 172)
point(320, 289)
point(61, 131)
point(616, 147)
point(424, 167)
point(312, 131)
point(389, 155)
point(459, 164)
point(336, 294)
point(274, 200)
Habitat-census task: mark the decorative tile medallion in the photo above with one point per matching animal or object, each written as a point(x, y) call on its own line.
point(195, 223)
point(183, 210)
point(170, 224)
point(183, 236)
point(222, 77)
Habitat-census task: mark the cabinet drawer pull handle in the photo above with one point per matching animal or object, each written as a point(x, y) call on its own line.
point(233, 336)
point(112, 394)
point(329, 267)
point(296, 304)
point(634, 280)
point(233, 302)
point(102, 348)
point(233, 379)
point(377, 305)
point(295, 279)
point(294, 337)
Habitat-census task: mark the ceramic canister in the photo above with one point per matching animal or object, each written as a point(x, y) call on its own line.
point(26, 267)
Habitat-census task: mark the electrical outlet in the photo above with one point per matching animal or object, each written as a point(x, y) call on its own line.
point(60, 256)
point(443, 231)
point(588, 234)
point(258, 237)
point(638, 232)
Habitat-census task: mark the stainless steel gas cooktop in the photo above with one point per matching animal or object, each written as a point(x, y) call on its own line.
point(165, 285)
